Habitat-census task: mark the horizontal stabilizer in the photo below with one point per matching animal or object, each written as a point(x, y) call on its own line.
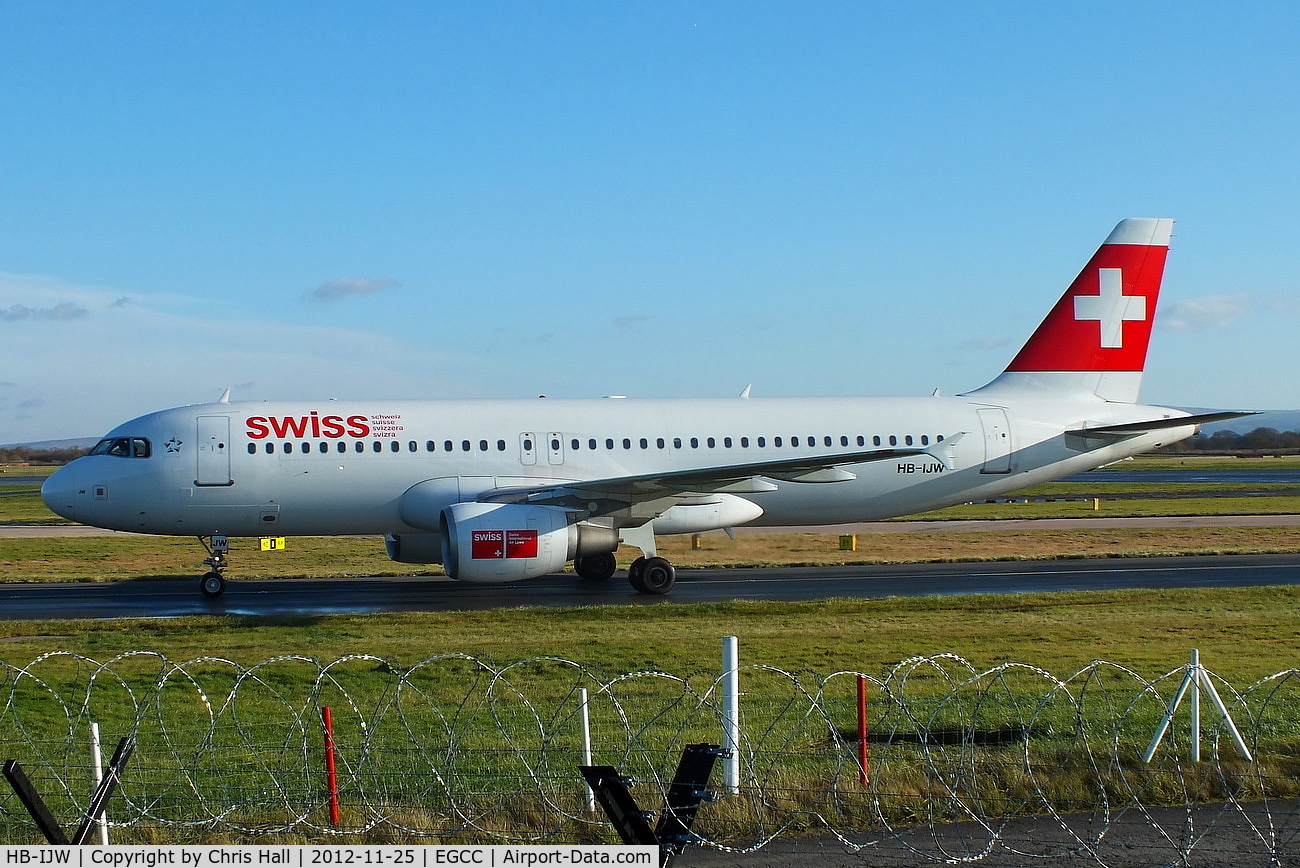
point(1129, 429)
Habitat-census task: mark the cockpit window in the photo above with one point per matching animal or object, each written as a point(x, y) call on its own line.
point(123, 447)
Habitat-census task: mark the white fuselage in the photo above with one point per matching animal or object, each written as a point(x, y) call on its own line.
point(332, 468)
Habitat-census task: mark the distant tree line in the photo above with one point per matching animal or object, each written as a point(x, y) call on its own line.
point(27, 455)
point(1260, 440)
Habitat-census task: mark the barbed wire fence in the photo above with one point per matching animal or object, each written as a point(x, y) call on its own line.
point(961, 764)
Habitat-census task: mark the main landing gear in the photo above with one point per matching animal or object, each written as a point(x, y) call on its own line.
point(653, 575)
point(213, 584)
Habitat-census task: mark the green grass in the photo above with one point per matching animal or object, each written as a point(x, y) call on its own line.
point(257, 748)
point(1243, 633)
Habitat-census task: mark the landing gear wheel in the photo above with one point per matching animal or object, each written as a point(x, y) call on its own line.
point(212, 584)
point(634, 570)
point(652, 576)
point(596, 568)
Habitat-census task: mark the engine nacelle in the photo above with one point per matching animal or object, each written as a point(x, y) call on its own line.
point(507, 542)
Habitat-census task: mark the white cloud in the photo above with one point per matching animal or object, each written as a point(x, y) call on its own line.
point(346, 287)
point(117, 360)
point(62, 311)
point(1206, 312)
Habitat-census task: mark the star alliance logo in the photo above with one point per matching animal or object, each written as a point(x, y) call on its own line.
point(174, 445)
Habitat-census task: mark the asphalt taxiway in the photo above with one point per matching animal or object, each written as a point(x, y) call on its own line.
point(169, 598)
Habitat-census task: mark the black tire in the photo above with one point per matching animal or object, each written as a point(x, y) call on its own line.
point(212, 584)
point(596, 568)
point(634, 570)
point(655, 576)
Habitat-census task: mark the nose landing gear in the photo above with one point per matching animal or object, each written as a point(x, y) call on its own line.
point(213, 584)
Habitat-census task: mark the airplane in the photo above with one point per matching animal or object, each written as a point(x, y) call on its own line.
point(506, 490)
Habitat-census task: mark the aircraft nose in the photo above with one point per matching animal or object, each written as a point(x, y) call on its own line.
point(60, 493)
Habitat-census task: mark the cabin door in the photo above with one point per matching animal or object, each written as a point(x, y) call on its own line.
point(212, 446)
point(997, 440)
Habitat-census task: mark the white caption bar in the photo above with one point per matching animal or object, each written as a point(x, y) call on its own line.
point(322, 856)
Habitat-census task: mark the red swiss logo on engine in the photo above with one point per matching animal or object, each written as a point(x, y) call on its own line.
point(490, 544)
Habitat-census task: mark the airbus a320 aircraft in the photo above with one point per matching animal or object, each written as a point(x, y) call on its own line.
point(503, 490)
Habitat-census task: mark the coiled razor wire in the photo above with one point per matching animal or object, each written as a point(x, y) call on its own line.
point(1009, 763)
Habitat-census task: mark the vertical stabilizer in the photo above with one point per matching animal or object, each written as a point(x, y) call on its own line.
point(1094, 341)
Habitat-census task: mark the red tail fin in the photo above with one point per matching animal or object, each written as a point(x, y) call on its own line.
point(1095, 338)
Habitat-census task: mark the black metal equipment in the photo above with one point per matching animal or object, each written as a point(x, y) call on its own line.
point(45, 821)
point(686, 793)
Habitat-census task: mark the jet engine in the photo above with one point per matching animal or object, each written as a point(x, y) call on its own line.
point(503, 542)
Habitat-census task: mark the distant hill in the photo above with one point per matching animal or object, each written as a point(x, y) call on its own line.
point(1281, 420)
point(42, 445)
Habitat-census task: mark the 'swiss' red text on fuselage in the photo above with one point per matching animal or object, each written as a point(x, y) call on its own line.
point(312, 425)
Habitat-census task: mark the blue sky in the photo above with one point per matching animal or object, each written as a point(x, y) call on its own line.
point(313, 200)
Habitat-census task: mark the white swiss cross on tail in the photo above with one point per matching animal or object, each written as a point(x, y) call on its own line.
point(1112, 308)
point(1094, 341)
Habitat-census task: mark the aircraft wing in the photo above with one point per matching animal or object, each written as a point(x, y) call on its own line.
point(617, 492)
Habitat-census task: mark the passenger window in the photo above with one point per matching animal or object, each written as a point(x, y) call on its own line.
point(252, 448)
point(875, 440)
point(288, 448)
point(762, 441)
point(925, 439)
point(862, 440)
point(343, 447)
point(627, 443)
point(574, 444)
point(430, 446)
point(744, 442)
point(482, 446)
point(447, 445)
point(306, 448)
point(645, 444)
point(711, 442)
point(726, 442)
point(695, 443)
point(412, 446)
point(776, 441)
point(609, 442)
point(360, 447)
point(893, 441)
point(501, 446)
point(323, 447)
point(660, 442)
point(270, 448)
point(908, 439)
point(465, 446)
point(591, 444)
point(378, 446)
point(394, 446)
point(829, 442)
point(677, 443)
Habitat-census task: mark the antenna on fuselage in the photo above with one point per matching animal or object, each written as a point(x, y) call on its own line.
point(225, 397)
point(745, 392)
